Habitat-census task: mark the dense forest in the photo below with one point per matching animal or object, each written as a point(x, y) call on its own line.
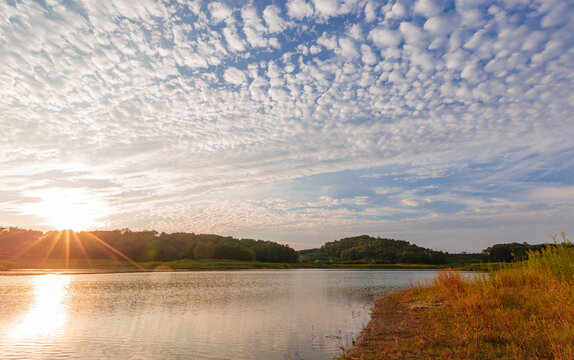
point(367, 249)
point(138, 246)
point(511, 251)
point(144, 246)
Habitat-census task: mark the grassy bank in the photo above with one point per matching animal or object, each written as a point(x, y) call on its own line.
point(522, 311)
point(185, 264)
point(212, 265)
point(117, 265)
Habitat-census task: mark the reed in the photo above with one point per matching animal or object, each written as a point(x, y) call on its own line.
point(520, 311)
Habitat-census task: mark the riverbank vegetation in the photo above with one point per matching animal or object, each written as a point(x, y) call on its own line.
point(523, 310)
point(36, 248)
point(125, 249)
point(368, 249)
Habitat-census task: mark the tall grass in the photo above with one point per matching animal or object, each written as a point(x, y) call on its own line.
point(558, 259)
point(521, 311)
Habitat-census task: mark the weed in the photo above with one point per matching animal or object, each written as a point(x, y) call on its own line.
point(520, 311)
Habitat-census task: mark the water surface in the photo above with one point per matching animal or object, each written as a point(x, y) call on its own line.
point(258, 314)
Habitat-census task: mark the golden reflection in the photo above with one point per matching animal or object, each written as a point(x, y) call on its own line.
point(48, 314)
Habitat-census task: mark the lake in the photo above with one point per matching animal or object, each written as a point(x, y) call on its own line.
point(250, 314)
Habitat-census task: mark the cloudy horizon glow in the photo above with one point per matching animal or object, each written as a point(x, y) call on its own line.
point(448, 124)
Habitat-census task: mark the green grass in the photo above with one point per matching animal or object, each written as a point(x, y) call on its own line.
point(186, 264)
point(483, 267)
point(212, 265)
point(5, 265)
point(520, 311)
point(384, 266)
point(117, 265)
point(34, 263)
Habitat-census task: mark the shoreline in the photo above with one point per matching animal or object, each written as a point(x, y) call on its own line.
point(520, 311)
point(77, 266)
point(391, 323)
point(85, 271)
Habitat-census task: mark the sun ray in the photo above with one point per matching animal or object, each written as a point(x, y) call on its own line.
point(116, 251)
point(67, 248)
point(53, 244)
point(68, 237)
point(30, 246)
point(81, 246)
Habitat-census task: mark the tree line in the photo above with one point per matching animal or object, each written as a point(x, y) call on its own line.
point(364, 248)
point(511, 251)
point(139, 246)
point(367, 249)
point(150, 245)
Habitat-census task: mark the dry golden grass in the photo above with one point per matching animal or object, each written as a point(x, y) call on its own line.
point(522, 311)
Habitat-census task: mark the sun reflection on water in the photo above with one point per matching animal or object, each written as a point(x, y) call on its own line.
point(48, 313)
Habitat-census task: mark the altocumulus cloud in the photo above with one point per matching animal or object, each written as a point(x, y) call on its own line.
point(447, 123)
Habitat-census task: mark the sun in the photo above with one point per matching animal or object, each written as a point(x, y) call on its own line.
point(69, 209)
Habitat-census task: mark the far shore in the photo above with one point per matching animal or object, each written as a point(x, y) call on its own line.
point(82, 266)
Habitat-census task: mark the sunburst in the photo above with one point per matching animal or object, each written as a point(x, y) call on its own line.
point(66, 237)
point(68, 209)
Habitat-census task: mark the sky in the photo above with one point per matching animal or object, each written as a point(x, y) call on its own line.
point(449, 124)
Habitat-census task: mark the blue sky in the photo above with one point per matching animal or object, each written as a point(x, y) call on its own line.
point(445, 123)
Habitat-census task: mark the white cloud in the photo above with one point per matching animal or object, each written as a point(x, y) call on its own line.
point(383, 37)
point(258, 89)
point(427, 8)
point(158, 116)
point(552, 49)
point(327, 8)
point(455, 60)
point(274, 43)
point(381, 190)
point(273, 19)
point(367, 55)
point(356, 32)
point(219, 11)
point(533, 41)
point(409, 202)
point(370, 12)
point(348, 48)
point(299, 9)
point(253, 27)
point(559, 15)
point(412, 34)
point(234, 41)
point(476, 40)
point(251, 18)
point(234, 75)
point(254, 37)
point(439, 25)
point(329, 42)
point(397, 11)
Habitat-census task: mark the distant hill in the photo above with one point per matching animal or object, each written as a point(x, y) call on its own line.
point(368, 249)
